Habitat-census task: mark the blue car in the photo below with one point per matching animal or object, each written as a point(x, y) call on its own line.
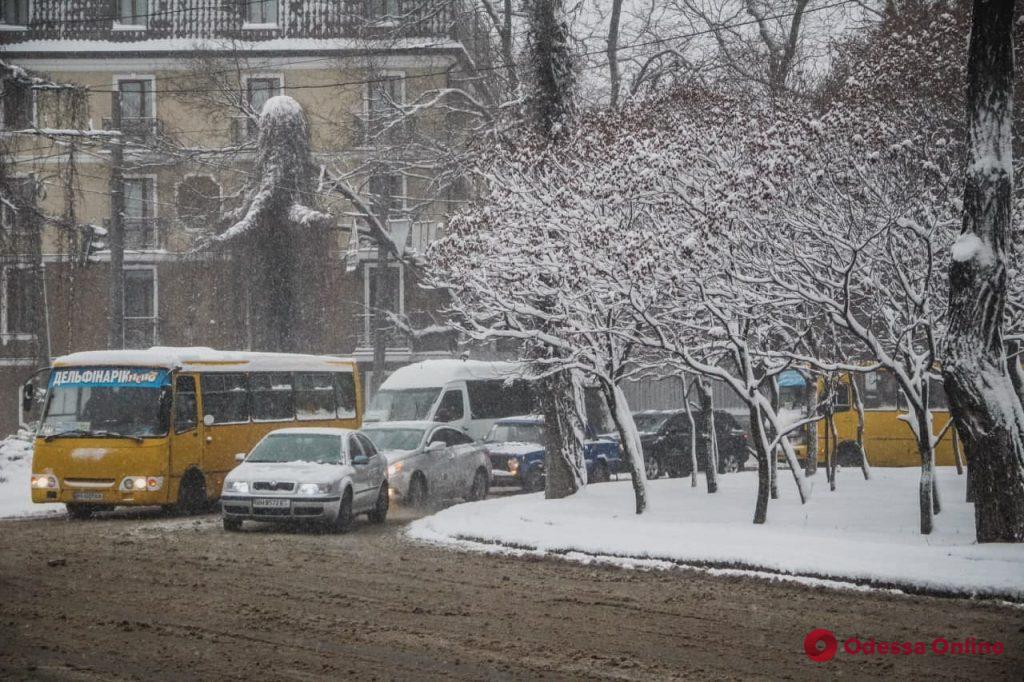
point(516, 448)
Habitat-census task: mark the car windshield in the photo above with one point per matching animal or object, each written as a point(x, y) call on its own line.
point(108, 402)
point(403, 405)
point(650, 422)
point(296, 447)
point(395, 439)
point(516, 433)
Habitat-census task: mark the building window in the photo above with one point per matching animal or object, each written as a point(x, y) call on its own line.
point(261, 12)
point(15, 293)
point(136, 99)
point(140, 307)
point(259, 90)
point(384, 97)
point(17, 205)
point(18, 107)
point(394, 300)
point(14, 12)
point(140, 227)
point(198, 202)
point(382, 9)
point(132, 12)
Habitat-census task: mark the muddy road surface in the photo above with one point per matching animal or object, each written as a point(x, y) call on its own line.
point(145, 596)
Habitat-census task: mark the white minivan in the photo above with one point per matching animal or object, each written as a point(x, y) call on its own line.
point(469, 395)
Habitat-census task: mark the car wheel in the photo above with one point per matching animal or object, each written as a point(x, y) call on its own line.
point(380, 509)
point(601, 474)
point(343, 522)
point(417, 496)
point(192, 494)
point(80, 512)
point(533, 480)
point(232, 525)
point(652, 467)
point(478, 490)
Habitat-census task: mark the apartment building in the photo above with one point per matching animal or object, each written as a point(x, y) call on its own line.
point(183, 82)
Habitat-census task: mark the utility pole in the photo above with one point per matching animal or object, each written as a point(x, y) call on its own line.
point(381, 293)
point(115, 316)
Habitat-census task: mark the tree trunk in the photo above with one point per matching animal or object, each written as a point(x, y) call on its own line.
point(693, 436)
point(630, 440)
point(708, 416)
point(763, 473)
point(957, 455)
point(926, 490)
point(859, 406)
point(564, 465)
point(811, 397)
point(983, 400)
point(774, 463)
point(614, 76)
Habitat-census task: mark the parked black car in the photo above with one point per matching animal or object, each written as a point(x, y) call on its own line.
point(665, 437)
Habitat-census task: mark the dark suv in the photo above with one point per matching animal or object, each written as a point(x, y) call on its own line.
point(665, 436)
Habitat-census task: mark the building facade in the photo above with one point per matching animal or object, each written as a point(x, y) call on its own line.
point(145, 112)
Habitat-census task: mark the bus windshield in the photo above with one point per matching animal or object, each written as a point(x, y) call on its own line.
point(107, 402)
point(403, 405)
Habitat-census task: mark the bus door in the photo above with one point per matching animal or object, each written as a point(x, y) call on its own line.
point(187, 430)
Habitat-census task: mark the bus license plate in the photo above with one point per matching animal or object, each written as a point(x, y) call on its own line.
point(275, 503)
point(87, 496)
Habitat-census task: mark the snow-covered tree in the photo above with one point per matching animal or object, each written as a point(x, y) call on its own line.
point(281, 235)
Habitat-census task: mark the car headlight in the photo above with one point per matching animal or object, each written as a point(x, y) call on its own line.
point(44, 481)
point(513, 465)
point(313, 488)
point(141, 483)
point(236, 486)
point(395, 469)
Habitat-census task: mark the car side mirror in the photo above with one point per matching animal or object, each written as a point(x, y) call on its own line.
point(239, 456)
point(28, 394)
point(360, 460)
point(208, 420)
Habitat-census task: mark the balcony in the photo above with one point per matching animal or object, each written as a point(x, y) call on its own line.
point(145, 130)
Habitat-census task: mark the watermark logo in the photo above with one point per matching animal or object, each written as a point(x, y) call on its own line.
point(820, 645)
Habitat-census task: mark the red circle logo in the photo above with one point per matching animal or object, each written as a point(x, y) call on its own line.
point(820, 645)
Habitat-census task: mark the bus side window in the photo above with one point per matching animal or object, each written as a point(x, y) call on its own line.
point(842, 402)
point(185, 407)
point(226, 397)
point(345, 394)
point(314, 395)
point(450, 408)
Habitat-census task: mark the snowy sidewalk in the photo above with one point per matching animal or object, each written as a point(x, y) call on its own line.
point(15, 476)
point(866, 532)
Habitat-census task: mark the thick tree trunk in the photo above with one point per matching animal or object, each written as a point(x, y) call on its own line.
point(774, 468)
point(630, 439)
point(763, 472)
point(928, 495)
point(858, 404)
point(564, 466)
point(614, 76)
point(983, 400)
point(693, 437)
point(708, 416)
point(811, 397)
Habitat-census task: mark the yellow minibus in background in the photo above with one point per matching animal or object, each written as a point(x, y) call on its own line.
point(888, 439)
point(162, 426)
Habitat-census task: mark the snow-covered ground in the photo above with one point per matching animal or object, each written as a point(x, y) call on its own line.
point(15, 472)
point(866, 532)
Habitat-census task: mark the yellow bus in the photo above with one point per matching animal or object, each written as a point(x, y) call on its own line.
point(162, 426)
point(888, 439)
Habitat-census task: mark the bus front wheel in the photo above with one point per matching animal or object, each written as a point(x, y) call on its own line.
point(192, 494)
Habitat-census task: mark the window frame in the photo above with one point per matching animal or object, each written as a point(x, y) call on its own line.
point(5, 333)
point(119, 23)
point(195, 397)
point(332, 391)
point(388, 75)
point(249, 23)
point(253, 392)
point(462, 403)
point(151, 201)
point(150, 93)
point(155, 319)
point(264, 76)
point(6, 25)
point(248, 397)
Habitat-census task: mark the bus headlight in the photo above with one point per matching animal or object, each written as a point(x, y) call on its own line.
point(141, 483)
point(236, 486)
point(44, 481)
point(313, 488)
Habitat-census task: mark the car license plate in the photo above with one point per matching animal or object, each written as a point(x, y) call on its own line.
point(276, 503)
point(87, 496)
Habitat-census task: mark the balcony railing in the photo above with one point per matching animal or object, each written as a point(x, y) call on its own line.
point(142, 234)
point(137, 129)
point(213, 19)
